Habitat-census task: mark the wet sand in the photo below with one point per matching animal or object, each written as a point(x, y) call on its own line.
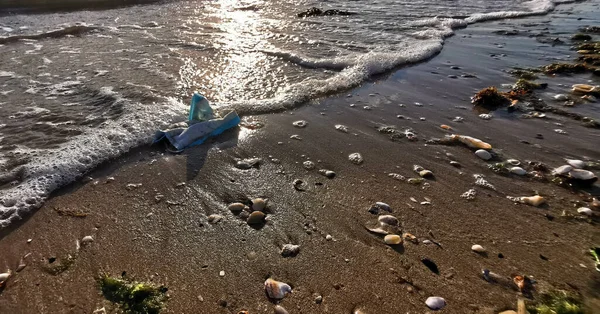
point(169, 241)
point(40, 6)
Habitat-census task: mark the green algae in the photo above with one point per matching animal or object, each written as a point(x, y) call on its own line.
point(133, 297)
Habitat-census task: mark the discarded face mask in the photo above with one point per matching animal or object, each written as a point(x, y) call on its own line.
point(201, 126)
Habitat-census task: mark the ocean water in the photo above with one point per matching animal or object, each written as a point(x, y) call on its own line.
point(80, 88)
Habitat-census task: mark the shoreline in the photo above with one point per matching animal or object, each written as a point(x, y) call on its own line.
point(171, 242)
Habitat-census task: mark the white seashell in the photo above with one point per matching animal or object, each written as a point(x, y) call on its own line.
point(518, 171)
point(535, 200)
point(378, 231)
point(280, 310)
point(561, 97)
point(485, 116)
point(581, 174)
point(300, 123)
point(87, 239)
point(483, 154)
point(308, 165)
point(477, 248)
point(356, 158)
point(4, 277)
point(514, 162)
point(276, 289)
point(435, 303)
point(580, 164)
point(562, 170)
point(341, 128)
point(392, 239)
point(585, 211)
point(258, 204)
point(388, 220)
point(383, 206)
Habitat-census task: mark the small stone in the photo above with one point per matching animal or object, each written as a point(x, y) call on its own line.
point(258, 204)
point(478, 248)
point(425, 173)
point(87, 240)
point(585, 211)
point(341, 128)
point(579, 164)
point(308, 165)
point(455, 164)
point(356, 158)
point(319, 299)
point(483, 154)
point(328, 173)
point(458, 119)
point(214, 218)
point(300, 123)
point(236, 208)
point(435, 303)
point(290, 250)
point(561, 97)
point(328, 237)
point(256, 218)
point(29, 240)
point(392, 239)
point(485, 116)
point(248, 163)
point(280, 310)
point(222, 273)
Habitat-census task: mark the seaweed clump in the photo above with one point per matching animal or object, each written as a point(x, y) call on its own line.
point(524, 74)
point(557, 302)
point(581, 37)
point(525, 86)
point(556, 68)
point(133, 297)
point(489, 97)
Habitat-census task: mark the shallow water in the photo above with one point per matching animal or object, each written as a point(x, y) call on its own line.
point(72, 98)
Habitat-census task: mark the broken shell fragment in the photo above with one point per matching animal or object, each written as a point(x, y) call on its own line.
point(356, 158)
point(4, 277)
point(308, 165)
point(584, 88)
point(277, 290)
point(514, 162)
point(328, 173)
point(478, 248)
point(562, 170)
point(87, 240)
point(378, 230)
point(445, 127)
point(379, 206)
point(425, 173)
point(388, 220)
point(280, 310)
point(300, 123)
point(392, 239)
point(471, 141)
point(585, 211)
point(410, 237)
point(341, 128)
point(580, 164)
point(583, 175)
point(435, 303)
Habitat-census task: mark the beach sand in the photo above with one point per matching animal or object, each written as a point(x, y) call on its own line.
point(168, 240)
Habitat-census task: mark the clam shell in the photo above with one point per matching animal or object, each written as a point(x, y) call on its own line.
point(562, 170)
point(300, 123)
point(259, 204)
point(514, 162)
point(280, 310)
point(581, 174)
point(388, 220)
point(392, 239)
point(256, 218)
point(478, 248)
point(236, 208)
point(276, 289)
point(483, 154)
point(535, 200)
point(425, 173)
point(576, 163)
point(472, 142)
point(435, 303)
point(379, 206)
point(518, 171)
point(87, 240)
point(585, 211)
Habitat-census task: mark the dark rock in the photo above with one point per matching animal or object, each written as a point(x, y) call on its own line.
point(318, 12)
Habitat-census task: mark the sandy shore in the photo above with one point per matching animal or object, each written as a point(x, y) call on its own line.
point(148, 211)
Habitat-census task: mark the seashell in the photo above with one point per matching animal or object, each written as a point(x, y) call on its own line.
point(392, 239)
point(561, 131)
point(508, 312)
point(478, 248)
point(483, 154)
point(276, 289)
point(328, 173)
point(585, 211)
point(584, 175)
point(410, 237)
point(482, 182)
point(455, 164)
point(378, 230)
point(341, 128)
point(445, 127)
point(579, 164)
point(485, 116)
point(300, 123)
point(561, 97)
point(388, 220)
point(22, 263)
point(308, 165)
point(471, 141)
point(418, 168)
point(535, 200)
point(514, 162)
point(280, 310)
point(290, 250)
point(415, 181)
point(584, 88)
point(518, 171)
point(214, 218)
point(355, 158)
point(87, 240)
point(246, 164)
point(435, 303)
point(396, 176)
point(379, 206)
point(562, 170)
point(236, 208)
point(258, 204)
point(4, 277)
point(256, 218)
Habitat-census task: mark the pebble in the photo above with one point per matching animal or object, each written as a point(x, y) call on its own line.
point(328, 237)
point(585, 211)
point(356, 158)
point(562, 170)
point(452, 76)
point(518, 171)
point(367, 108)
point(87, 240)
point(455, 164)
point(319, 299)
point(290, 250)
point(392, 239)
point(300, 123)
point(258, 204)
point(256, 218)
point(280, 310)
point(483, 154)
point(248, 163)
point(561, 97)
point(435, 303)
point(478, 248)
point(425, 173)
point(561, 131)
point(214, 218)
point(236, 208)
point(308, 165)
point(222, 273)
point(388, 220)
point(341, 128)
point(458, 119)
point(29, 240)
